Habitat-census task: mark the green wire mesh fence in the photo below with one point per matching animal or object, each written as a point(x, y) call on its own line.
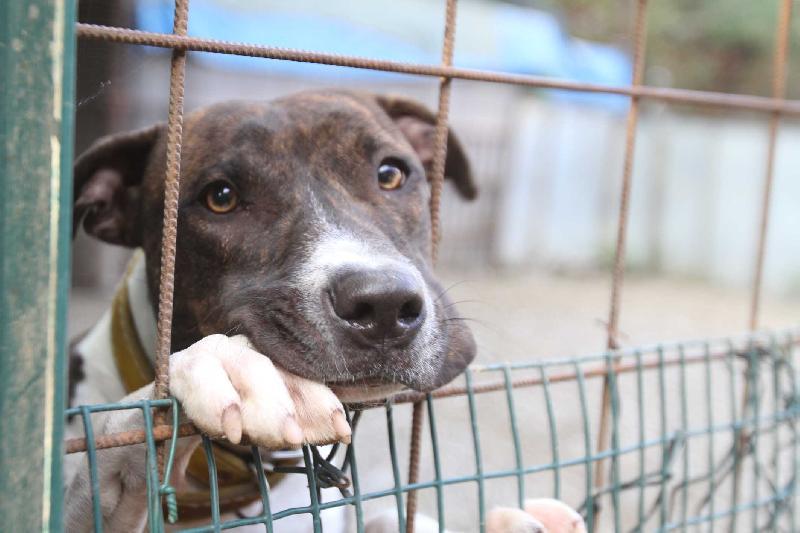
point(703, 433)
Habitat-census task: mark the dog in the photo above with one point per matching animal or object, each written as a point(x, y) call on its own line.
point(303, 281)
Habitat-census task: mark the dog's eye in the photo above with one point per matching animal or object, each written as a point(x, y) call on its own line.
point(391, 175)
point(220, 197)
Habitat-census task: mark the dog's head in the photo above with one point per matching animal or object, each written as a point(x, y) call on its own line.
point(303, 224)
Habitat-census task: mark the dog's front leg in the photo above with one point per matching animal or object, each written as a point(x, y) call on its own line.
point(226, 389)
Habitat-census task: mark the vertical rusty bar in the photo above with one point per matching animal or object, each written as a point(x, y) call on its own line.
point(169, 232)
point(778, 91)
point(779, 63)
point(437, 173)
point(437, 181)
point(618, 275)
point(171, 188)
point(627, 173)
point(413, 463)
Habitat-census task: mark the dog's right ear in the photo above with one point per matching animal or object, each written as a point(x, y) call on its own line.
point(107, 186)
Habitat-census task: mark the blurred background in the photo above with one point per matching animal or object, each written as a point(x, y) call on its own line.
point(549, 163)
point(529, 261)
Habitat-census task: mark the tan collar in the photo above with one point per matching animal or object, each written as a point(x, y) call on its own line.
point(133, 363)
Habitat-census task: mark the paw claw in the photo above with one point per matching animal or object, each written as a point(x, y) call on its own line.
point(292, 433)
point(341, 427)
point(232, 423)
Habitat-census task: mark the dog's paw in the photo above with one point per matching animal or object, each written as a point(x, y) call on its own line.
point(541, 515)
point(228, 389)
point(509, 520)
point(555, 515)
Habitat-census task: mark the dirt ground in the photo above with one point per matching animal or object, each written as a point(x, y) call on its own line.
point(527, 317)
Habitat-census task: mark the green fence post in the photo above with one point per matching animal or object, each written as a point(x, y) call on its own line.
point(37, 53)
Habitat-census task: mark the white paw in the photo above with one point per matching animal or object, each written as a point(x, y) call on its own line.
point(228, 389)
point(557, 516)
point(509, 520)
point(541, 515)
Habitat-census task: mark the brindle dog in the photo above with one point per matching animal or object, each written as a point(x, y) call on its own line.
point(303, 233)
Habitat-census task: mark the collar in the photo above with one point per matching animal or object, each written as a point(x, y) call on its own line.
point(133, 353)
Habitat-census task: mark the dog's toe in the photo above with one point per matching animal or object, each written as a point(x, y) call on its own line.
point(319, 412)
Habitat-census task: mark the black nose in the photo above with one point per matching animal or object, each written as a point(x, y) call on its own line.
point(378, 305)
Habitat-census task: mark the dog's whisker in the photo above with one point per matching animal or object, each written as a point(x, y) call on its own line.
point(459, 302)
point(461, 318)
point(445, 291)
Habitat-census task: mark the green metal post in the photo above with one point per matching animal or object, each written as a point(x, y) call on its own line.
point(37, 55)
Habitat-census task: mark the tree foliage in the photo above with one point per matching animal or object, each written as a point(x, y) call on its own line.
point(715, 45)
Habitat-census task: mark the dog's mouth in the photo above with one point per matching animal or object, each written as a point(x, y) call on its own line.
point(365, 382)
point(364, 376)
point(366, 391)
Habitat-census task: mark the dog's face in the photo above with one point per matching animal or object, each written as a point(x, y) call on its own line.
point(303, 224)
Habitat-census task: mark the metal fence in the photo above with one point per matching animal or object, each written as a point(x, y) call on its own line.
point(732, 402)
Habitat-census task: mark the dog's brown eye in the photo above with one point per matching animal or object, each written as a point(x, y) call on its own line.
point(220, 197)
point(391, 176)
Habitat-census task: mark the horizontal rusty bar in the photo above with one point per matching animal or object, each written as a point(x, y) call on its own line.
point(561, 377)
point(129, 438)
point(683, 96)
point(161, 432)
point(164, 432)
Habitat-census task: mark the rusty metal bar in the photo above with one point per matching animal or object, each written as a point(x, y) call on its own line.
point(437, 182)
point(440, 146)
point(171, 191)
point(779, 64)
point(413, 463)
point(163, 432)
point(618, 275)
point(170, 222)
point(680, 96)
point(627, 174)
point(779, 93)
point(129, 438)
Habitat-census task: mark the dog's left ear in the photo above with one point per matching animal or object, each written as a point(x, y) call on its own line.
point(418, 124)
point(107, 183)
